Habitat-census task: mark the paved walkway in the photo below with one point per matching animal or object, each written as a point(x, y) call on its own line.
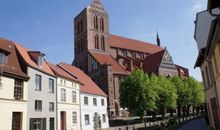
point(197, 124)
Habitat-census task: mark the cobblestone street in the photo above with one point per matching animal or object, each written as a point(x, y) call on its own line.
point(197, 124)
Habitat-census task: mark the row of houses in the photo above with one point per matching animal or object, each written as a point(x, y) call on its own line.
point(207, 36)
point(38, 95)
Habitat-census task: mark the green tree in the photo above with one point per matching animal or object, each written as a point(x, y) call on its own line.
point(183, 93)
point(136, 94)
point(197, 92)
point(166, 95)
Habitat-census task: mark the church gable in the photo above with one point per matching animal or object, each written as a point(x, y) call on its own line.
point(167, 66)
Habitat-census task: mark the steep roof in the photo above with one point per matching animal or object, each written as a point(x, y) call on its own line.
point(88, 85)
point(13, 67)
point(182, 71)
point(104, 58)
point(152, 62)
point(131, 44)
point(59, 71)
point(24, 53)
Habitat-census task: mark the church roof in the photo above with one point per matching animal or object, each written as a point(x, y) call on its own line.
point(152, 62)
point(131, 44)
point(88, 86)
point(182, 71)
point(107, 59)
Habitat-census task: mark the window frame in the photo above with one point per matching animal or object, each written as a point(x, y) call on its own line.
point(40, 82)
point(51, 107)
point(95, 101)
point(86, 100)
point(74, 117)
point(87, 120)
point(51, 88)
point(74, 97)
point(63, 95)
point(38, 105)
point(18, 89)
point(102, 102)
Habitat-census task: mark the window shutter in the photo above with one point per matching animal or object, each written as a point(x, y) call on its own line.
point(31, 124)
point(44, 123)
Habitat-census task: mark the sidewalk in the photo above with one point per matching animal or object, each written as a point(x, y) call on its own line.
point(197, 124)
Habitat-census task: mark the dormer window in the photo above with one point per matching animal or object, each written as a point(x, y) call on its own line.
point(40, 61)
point(3, 58)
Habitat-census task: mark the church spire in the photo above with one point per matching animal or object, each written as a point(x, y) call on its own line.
point(158, 40)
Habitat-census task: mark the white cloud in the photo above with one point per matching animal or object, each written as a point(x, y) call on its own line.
point(198, 5)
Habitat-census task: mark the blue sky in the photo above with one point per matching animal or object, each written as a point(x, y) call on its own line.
point(47, 25)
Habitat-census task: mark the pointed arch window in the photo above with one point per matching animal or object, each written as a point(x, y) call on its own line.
point(95, 22)
point(102, 24)
point(96, 42)
point(103, 42)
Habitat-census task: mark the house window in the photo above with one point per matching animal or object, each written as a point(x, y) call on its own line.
point(102, 102)
point(95, 18)
point(204, 79)
point(16, 120)
point(64, 82)
point(3, 58)
point(73, 96)
point(51, 106)
point(61, 81)
point(94, 101)
point(86, 101)
point(103, 43)
point(51, 86)
point(63, 94)
point(207, 76)
point(96, 42)
point(51, 123)
point(103, 118)
point(102, 24)
point(74, 117)
point(86, 119)
point(38, 105)
point(37, 82)
point(38, 125)
point(18, 89)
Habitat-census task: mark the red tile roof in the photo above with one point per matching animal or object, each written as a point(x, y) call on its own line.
point(59, 71)
point(104, 58)
point(13, 67)
point(131, 44)
point(24, 53)
point(152, 62)
point(182, 71)
point(88, 85)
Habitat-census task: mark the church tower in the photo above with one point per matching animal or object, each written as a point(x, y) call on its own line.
point(91, 30)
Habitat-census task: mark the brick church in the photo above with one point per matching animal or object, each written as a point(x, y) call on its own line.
point(107, 58)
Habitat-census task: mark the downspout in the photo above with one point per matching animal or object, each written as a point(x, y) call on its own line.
point(56, 106)
point(80, 109)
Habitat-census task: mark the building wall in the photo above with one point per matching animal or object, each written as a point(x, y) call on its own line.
point(68, 106)
point(8, 104)
point(90, 109)
point(210, 90)
point(42, 95)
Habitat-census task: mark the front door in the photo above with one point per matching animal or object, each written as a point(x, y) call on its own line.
point(215, 113)
point(16, 121)
point(63, 120)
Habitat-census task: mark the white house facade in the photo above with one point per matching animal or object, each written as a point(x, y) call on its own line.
point(13, 89)
point(68, 103)
point(93, 101)
point(41, 99)
point(93, 111)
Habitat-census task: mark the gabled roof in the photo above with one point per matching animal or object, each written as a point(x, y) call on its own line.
point(59, 71)
point(103, 58)
point(24, 54)
point(131, 44)
point(13, 67)
point(182, 70)
point(152, 62)
point(88, 85)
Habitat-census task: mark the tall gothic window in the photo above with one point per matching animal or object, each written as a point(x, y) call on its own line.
point(95, 22)
point(96, 42)
point(102, 24)
point(103, 42)
point(81, 25)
